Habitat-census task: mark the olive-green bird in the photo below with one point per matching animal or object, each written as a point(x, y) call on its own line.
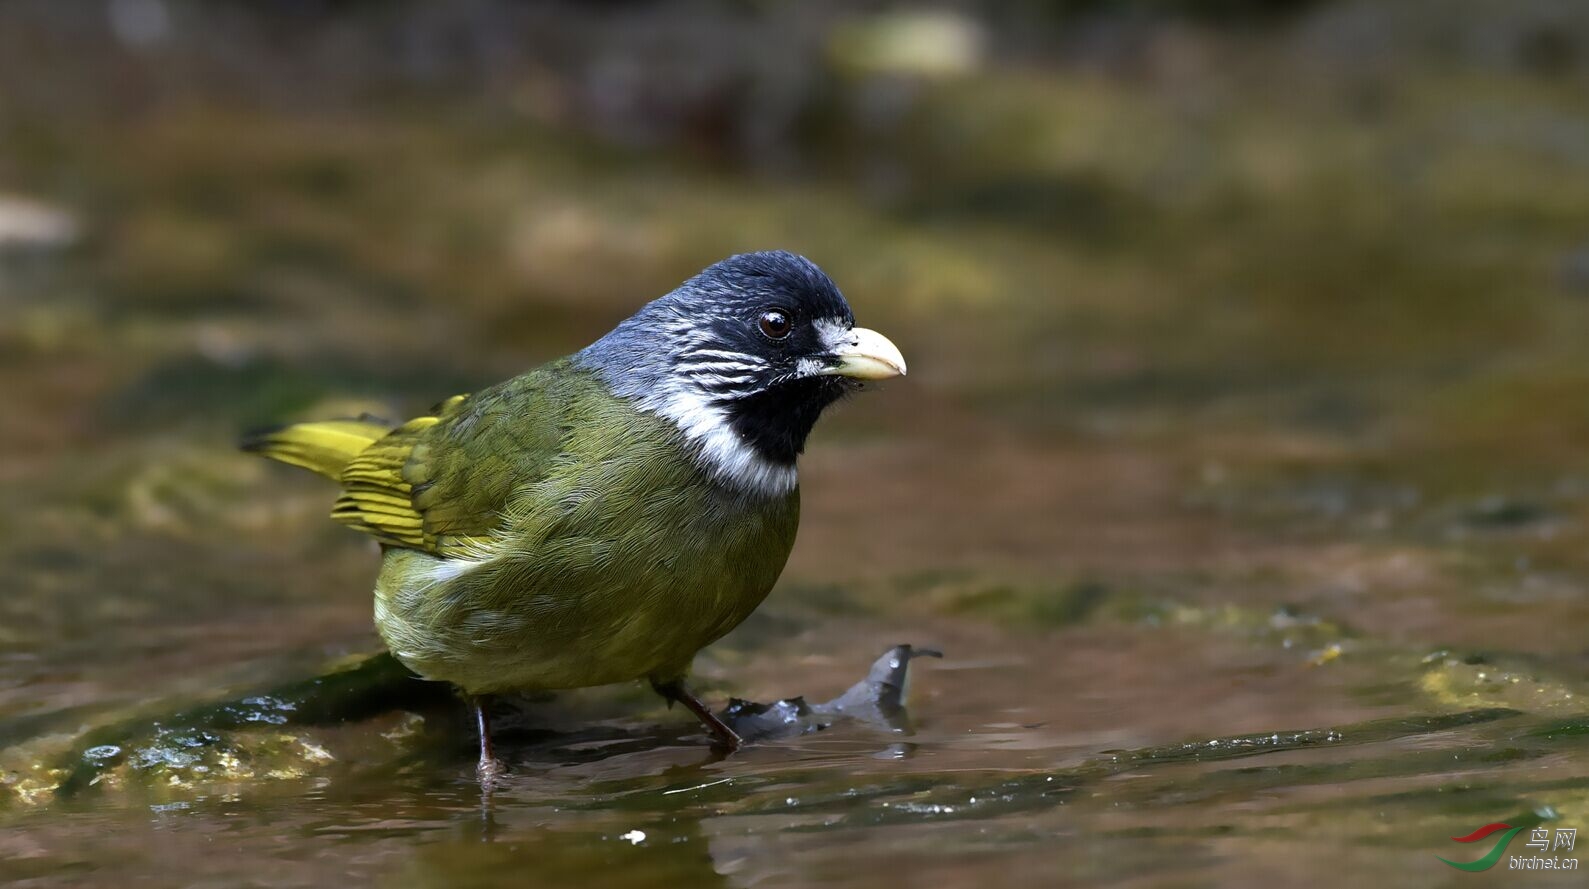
point(605, 516)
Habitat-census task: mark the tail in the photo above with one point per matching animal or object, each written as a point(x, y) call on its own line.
point(325, 447)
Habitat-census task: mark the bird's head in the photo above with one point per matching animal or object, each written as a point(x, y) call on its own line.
point(743, 358)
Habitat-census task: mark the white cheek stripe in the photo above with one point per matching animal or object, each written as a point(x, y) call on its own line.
point(715, 366)
point(682, 397)
point(735, 357)
point(718, 448)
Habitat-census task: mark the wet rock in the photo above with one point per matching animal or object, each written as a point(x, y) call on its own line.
point(278, 734)
point(1456, 680)
point(878, 700)
point(257, 736)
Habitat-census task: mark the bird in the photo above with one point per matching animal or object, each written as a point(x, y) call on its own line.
point(603, 517)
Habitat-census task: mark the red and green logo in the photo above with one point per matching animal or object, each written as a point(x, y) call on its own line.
point(1489, 860)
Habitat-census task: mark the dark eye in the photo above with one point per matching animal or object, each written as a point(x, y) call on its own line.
point(775, 323)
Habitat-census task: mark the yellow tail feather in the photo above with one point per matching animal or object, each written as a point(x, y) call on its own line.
point(325, 447)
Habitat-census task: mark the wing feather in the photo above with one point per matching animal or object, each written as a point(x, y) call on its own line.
point(442, 482)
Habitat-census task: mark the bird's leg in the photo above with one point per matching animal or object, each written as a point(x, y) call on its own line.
point(489, 767)
point(674, 690)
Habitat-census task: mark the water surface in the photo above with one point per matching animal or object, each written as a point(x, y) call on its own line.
point(1241, 473)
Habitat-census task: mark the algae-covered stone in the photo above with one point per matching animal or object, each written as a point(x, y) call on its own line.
point(1474, 680)
point(268, 736)
point(283, 734)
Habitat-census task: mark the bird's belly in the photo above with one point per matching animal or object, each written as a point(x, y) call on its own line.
point(579, 609)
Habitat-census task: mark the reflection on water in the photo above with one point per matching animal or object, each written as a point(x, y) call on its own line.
point(1011, 763)
point(1242, 474)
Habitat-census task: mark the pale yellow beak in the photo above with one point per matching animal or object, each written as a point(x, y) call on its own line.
point(866, 355)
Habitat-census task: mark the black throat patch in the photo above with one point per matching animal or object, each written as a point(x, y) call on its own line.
point(775, 422)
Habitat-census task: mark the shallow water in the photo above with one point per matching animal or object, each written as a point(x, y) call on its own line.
point(1241, 476)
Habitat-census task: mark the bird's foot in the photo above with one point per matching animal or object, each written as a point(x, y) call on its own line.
point(724, 739)
point(490, 769)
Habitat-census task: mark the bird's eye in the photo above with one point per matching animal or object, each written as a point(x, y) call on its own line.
point(775, 323)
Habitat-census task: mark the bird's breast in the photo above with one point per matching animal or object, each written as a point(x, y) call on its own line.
point(613, 575)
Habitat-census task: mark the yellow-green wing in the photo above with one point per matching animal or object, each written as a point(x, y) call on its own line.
point(442, 482)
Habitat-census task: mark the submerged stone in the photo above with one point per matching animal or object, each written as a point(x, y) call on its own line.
point(276, 734)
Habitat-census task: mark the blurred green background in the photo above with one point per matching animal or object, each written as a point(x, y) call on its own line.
point(1249, 399)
